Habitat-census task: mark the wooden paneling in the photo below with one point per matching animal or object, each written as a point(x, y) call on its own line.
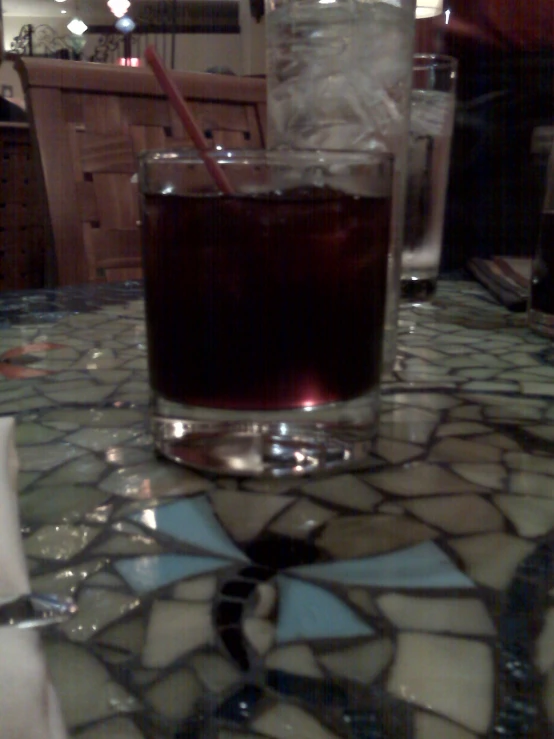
point(102, 115)
point(147, 137)
point(230, 139)
point(73, 108)
point(86, 198)
point(117, 200)
point(22, 215)
point(110, 153)
point(140, 110)
point(116, 250)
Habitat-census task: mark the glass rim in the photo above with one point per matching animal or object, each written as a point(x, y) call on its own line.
point(293, 157)
point(422, 62)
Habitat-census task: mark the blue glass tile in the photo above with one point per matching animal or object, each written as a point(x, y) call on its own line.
point(422, 566)
point(192, 522)
point(309, 612)
point(144, 574)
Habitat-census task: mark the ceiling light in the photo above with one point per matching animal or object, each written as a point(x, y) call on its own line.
point(77, 26)
point(118, 7)
point(63, 12)
point(125, 24)
point(59, 1)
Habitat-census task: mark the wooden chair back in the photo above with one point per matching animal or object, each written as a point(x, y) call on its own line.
point(90, 121)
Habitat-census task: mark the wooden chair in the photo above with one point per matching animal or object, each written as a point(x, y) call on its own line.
point(89, 122)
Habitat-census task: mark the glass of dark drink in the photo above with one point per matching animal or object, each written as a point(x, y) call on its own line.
point(265, 307)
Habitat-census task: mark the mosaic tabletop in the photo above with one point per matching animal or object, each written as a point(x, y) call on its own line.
point(413, 599)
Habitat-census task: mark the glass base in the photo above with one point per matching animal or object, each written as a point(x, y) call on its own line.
point(418, 291)
point(333, 437)
point(541, 323)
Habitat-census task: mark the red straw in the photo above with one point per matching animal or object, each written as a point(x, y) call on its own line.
point(187, 118)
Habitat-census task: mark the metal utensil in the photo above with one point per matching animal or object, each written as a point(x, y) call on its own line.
point(35, 610)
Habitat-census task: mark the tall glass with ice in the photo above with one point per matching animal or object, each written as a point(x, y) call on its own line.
point(431, 124)
point(265, 307)
point(339, 77)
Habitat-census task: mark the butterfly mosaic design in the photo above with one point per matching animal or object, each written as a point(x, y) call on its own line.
point(309, 607)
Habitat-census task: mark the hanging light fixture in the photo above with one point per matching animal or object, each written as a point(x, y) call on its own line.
point(126, 24)
point(428, 8)
point(77, 27)
point(118, 7)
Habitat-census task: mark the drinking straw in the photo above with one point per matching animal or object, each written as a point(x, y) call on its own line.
point(189, 122)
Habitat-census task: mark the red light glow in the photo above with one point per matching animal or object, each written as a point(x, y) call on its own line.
point(130, 62)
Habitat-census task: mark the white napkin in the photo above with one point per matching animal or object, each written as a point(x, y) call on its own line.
point(28, 705)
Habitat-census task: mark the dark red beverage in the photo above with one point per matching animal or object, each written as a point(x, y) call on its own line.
point(265, 302)
point(542, 284)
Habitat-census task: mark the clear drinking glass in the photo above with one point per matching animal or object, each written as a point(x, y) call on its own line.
point(339, 77)
point(339, 73)
point(431, 124)
point(265, 308)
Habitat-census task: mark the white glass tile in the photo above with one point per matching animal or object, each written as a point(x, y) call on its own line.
point(453, 615)
point(492, 559)
point(362, 662)
point(245, 515)
point(175, 629)
point(450, 676)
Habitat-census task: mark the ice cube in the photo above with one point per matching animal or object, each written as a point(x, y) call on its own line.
point(339, 78)
point(431, 113)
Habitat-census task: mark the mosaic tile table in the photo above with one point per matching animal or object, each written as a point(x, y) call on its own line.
point(414, 599)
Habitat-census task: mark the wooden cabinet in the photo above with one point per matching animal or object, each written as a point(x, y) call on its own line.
point(22, 212)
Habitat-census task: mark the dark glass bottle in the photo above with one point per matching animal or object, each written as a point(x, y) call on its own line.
point(541, 303)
